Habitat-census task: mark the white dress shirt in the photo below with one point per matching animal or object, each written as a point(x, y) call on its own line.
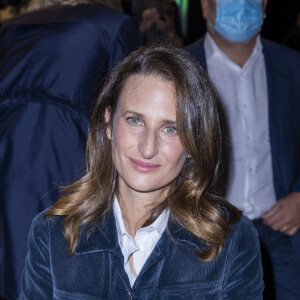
point(243, 95)
point(142, 244)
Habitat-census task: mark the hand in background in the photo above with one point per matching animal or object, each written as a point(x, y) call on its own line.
point(284, 216)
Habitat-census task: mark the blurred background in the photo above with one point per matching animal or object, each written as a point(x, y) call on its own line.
point(181, 20)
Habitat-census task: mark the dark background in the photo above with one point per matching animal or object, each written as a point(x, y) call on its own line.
point(279, 25)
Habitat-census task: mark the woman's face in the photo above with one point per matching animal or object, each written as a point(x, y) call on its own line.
point(146, 148)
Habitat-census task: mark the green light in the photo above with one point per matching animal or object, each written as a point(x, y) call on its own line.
point(183, 14)
point(185, 5)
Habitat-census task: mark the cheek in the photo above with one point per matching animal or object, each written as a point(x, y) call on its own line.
point(122, 138)
point(176, 156)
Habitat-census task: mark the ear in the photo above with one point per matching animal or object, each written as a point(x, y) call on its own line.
point(204, 5)
point(108, 122)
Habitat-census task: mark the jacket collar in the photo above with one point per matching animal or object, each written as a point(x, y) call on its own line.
point(201, 55)
point(197, 50)
point(183, 238)
point(105, 238)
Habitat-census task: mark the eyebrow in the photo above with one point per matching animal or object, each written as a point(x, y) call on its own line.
point(165, 121)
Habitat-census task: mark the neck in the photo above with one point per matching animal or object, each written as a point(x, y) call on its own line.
point(137, 207)
point(239, 52)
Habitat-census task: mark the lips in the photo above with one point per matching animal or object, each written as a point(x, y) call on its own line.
point(143, 166)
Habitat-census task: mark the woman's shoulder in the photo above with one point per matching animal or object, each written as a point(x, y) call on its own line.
point(243, 274)
point(242, 237)
point(244, 227)
point(41, 223)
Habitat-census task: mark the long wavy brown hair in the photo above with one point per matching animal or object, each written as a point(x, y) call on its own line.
point(192, 199)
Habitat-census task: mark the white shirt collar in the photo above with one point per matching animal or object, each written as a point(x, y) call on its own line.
point(142, 244)
point(158, 225)
point(212, 50)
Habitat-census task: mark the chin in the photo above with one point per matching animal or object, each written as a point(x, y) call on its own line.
point(146, 188)
point(143, 187)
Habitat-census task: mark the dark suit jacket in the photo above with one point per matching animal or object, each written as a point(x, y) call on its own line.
point(52, 63)
point(283, 79)
point(172, 271)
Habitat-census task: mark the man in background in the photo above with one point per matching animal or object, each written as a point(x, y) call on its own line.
point(52, 64)
point(258, 86)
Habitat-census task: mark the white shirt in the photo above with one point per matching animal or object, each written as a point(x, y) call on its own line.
point(243, 95)
point(142, 244)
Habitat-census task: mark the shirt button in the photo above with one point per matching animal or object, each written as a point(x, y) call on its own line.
point(251, 169)
point(248, 138)
point(245, 105)
point(142, 248)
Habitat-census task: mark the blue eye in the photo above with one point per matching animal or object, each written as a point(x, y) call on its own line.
point(171, 130)
point(134, 120)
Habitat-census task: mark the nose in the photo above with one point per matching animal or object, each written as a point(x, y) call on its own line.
point(148, 143)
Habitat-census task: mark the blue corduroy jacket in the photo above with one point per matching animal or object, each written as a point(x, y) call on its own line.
point(172, 271)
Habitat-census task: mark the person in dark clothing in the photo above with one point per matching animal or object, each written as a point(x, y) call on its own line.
point(145, 221)
point(52, 63)
point(258, 87)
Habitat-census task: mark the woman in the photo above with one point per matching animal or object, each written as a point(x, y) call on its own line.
point(145, 221)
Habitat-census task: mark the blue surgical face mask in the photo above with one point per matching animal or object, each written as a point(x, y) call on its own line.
point(238, 20)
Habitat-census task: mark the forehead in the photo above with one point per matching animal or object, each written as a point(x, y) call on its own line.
point(147, 92)
point(136, 80)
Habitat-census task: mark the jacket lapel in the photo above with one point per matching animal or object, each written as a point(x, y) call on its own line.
point(160, 251)
point(277, 89)
point(104, 239)
point(173, 236)
point(197, 50)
